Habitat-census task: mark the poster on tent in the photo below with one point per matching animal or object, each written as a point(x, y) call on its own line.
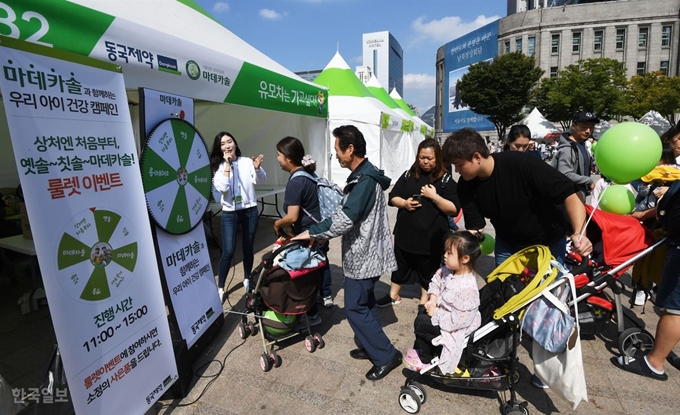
point(185, 259)
point(479, 45)
point(73, 141)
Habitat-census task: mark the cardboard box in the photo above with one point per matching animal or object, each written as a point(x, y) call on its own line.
point(25, 225)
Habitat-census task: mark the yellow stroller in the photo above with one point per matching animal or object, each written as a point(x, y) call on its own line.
point(490, 357)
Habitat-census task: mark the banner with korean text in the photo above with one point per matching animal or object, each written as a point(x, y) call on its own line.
point(73, 142)
point(185, 259)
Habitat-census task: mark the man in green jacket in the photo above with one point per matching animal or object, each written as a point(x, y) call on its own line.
point(367, 250)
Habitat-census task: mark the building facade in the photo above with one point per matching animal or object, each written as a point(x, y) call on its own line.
point(643, 34)
point(385, 58)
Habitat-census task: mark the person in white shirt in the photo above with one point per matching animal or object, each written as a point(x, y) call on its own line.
point(235, 177)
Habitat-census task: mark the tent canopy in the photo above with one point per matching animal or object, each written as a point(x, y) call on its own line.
point(656, 121)
point(176, 47)
point(541, 129)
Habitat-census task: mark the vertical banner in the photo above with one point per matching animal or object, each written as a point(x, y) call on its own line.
point(73, 141)
point(177, 182)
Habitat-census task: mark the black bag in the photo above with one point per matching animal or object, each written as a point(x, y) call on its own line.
point(665, 203)
point(496, 293)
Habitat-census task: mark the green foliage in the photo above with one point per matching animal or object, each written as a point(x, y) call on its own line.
point(593, 84)
point(500, 89)
point(653, 91)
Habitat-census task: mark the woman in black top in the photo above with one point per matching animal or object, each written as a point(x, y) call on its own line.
point(425, 196)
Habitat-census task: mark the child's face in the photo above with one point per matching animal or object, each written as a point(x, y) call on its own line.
point(452, 260)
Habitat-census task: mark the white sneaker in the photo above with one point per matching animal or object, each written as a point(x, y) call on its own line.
point(328, 302)
point(246, 284)
point(220, 293)
point(640, 298)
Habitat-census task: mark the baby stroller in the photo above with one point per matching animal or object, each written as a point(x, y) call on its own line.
point(489, 361)
point(278, 299)
point(618, 242)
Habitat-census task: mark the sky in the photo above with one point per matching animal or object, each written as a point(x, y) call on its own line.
point(304, 35)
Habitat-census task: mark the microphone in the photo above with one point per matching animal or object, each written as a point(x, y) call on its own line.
point(230, 162)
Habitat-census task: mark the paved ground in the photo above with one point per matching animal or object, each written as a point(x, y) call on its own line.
point(329, 381)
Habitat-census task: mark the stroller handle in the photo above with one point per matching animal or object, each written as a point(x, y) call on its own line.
point(289, 245)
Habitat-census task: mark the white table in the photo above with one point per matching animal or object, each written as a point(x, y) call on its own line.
point(18, 243)
point(262, 191)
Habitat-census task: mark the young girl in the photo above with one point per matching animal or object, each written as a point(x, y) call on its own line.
point(452, 308)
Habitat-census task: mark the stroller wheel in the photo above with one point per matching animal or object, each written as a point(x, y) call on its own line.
point(634, 339)
point(409, 401)
point(252, 328)
point(275, 358)
point(310, 345)
point(243, 331)
point(419, 390)
point(319, 341)
point(508, 409)
point(265, 363)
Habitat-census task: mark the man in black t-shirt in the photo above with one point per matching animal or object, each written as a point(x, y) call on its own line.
point(525, 199)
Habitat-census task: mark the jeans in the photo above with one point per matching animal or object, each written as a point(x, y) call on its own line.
point(247, 219)
point(504, 250)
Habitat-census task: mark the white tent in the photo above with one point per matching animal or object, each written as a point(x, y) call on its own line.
point(541, 129)
point(401, 151)
point(174, 46)
point(350, 102)
point(421, 127)
point(600, 128)
point(656, 121)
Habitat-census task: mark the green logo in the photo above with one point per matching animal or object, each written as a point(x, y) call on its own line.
point(193, 70)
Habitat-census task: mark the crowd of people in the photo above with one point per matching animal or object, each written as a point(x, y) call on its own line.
point(529, 201)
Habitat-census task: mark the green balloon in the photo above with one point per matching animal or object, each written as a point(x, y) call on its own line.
point(488, 244)
point(628, 151)
point(618, 199)
point(593, 147)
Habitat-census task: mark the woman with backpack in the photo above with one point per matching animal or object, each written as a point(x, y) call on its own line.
point(301, 205)
point(425, 196)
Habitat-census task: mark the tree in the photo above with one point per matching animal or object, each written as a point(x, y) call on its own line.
point(593, 85)
point(500, 89)
point(653, 91)
point(413, 108)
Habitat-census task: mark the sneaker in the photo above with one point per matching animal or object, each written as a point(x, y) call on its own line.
point(640, 298)
point(246, 284)
point(387, 301)
point(315, 320)
point(412, 361)
point(538, 383)
point(220, 293)
point(328, 302)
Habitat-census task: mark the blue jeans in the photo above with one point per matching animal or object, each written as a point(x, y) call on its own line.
point(247, 219)
point(504, 250)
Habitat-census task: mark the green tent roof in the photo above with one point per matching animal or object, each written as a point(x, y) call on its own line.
point(340, 80)
point(402, 104)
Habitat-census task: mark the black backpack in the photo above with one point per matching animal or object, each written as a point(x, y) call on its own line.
point(664, 204)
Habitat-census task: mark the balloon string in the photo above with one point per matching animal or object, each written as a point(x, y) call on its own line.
point(590, 217)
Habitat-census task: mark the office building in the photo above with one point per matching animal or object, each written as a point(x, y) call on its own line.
point(384, 56)
point(642, 34)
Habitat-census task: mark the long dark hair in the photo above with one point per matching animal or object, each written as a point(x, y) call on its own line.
point(667, 154)
point(293, 149)
point(516, 131)
point(216, 155)
point(439, 168)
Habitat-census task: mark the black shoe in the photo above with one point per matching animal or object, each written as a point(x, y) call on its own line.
point(359, 354)
point(387, 301)
point(379, 372)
